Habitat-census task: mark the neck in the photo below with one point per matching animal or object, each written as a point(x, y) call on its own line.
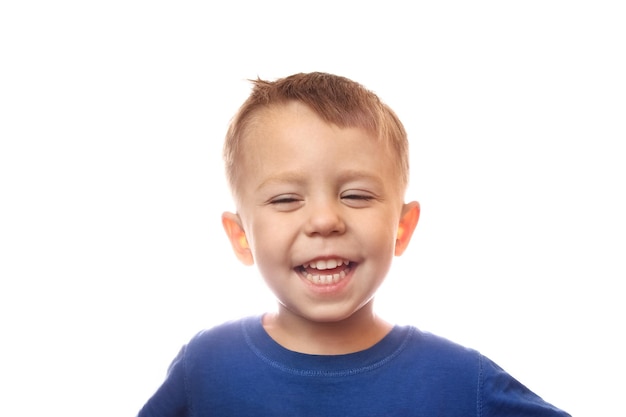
point(358, 332)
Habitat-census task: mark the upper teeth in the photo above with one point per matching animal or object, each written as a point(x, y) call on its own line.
point(326, 263)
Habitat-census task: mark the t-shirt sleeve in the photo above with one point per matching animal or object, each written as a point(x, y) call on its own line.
point(502, 395)
point(170, 399)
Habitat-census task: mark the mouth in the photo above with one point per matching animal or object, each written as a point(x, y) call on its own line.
point(325, 271)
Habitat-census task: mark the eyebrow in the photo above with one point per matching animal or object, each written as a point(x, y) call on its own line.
point(299, 177)
point(284, 177)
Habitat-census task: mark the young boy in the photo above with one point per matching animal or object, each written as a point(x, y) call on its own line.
point(318, 168)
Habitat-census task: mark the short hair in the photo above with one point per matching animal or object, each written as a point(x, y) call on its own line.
point(335, 99)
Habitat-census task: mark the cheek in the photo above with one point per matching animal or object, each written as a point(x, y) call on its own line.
point(268, 242)
point(384, 225)
point(379, 239)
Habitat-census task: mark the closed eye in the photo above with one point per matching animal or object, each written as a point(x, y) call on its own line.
point(285, 202)
point(357, 197)
point(357, 200)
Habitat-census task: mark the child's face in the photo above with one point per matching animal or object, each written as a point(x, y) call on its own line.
point(320, 207)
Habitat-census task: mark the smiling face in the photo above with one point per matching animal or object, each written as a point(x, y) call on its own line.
point(320, 212)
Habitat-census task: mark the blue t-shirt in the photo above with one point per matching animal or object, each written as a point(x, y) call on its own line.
point(237, 369)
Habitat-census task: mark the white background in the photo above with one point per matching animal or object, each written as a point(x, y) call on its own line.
point(112, 116)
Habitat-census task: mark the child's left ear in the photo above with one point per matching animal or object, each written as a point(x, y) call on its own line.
point(408, 221)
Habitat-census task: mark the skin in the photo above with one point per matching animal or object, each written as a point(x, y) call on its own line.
point(312, 192)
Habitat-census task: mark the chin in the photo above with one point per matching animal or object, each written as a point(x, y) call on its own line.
point(326, 315)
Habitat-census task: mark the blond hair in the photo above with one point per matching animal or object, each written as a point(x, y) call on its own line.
point(335, 99)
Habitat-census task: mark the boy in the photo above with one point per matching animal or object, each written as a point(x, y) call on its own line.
point(318, 168)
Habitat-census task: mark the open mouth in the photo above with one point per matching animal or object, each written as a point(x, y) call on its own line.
point(325, 271)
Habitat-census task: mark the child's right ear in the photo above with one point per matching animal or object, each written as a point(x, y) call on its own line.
point(237, 236)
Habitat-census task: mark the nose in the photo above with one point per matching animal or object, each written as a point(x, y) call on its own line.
point(324, 219)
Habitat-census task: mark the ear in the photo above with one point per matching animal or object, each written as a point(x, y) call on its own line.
point(237, 236)
point(408, 221)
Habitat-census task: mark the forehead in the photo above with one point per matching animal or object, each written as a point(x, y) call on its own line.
point(292, 137)
point(296, 119)
point(292, 126)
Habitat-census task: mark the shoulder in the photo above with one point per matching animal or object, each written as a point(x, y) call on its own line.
point(448, 353)
point(475, 378)
point(447, 365)
point(224, 335)
point(501, 393)
point(225, 328)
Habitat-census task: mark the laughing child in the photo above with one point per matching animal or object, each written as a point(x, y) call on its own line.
point(318, 168)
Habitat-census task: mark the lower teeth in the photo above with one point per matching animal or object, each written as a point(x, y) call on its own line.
point(326, 279)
